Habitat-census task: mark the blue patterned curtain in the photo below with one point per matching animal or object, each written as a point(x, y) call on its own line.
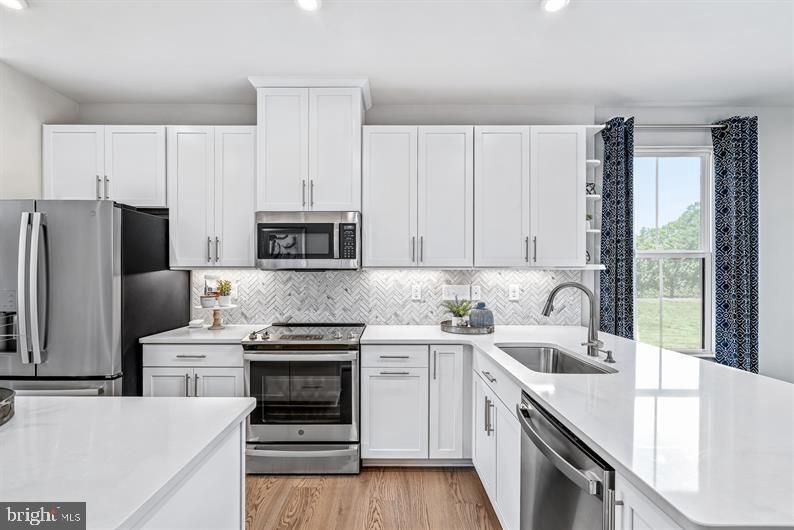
point(617, 236)
point(736, 243)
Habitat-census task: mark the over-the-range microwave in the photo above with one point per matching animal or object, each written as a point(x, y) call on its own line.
point(308, 240)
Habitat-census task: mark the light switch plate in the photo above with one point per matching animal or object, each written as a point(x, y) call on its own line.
point(476, 294)
point(449, 292)
point(416, 292)
point(513, 292)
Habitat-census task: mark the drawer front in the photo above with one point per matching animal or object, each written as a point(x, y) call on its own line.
point(405, 355)
point(498, 380)
point(193, 355)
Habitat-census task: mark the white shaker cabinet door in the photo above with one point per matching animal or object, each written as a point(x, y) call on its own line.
point(394, 413)
point(235, 175)
point(389, 213)
point(218, 382)
point(557, 176)
point(445, 196)
point(636, 511)
point(191, 190)
point(135, 165)
point(335, 149)
point(282, 149)
point(501, 196)
point(508, 467)
point(446, 402)
point(483, 436)
point(73, 162)
point(168, 382)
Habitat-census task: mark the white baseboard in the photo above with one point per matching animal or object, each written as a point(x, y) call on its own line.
point(416, 462)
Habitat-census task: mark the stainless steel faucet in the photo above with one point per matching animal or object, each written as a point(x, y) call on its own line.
point(593, 344)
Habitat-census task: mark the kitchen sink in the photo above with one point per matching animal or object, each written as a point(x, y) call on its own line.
point(550, 360)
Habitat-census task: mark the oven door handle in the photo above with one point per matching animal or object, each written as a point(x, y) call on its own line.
point(350, 450)
point(342, 355)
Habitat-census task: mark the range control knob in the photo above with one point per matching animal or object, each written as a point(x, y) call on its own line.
point(252, 335)
point(352, 335)
point(337, 334)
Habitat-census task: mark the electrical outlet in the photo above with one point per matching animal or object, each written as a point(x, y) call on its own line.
point(416, 292)
point(475, 292)
point(513, 292)
point(449, 292)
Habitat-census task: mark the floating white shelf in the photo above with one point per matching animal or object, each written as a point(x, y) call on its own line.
point(595, 197)
point(593, 162)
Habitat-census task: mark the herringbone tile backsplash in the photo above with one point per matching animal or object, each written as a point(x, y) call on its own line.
point(384, 296)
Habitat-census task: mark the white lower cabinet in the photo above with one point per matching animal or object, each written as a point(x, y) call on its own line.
point(218, 382)
point(496, 452)
point(193, 370)
point(167, 382)
point(394, 412)
point(446, 402)
point(637, 512)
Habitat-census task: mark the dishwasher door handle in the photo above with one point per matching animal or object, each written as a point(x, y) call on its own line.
point(588, 483)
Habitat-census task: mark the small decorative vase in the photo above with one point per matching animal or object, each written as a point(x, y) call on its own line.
point(456, 321)
point(480, 317)
point(208, 301)
point(225, 301)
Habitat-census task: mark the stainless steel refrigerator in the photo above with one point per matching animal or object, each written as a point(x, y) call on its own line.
point(80, 283)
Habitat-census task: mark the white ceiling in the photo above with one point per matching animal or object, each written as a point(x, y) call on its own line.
point(732, 52)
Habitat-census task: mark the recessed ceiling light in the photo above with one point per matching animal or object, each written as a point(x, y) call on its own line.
point(553, 5)
point(14, 4)
point(308, 5)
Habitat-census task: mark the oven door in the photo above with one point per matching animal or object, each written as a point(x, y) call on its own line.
point(303, 396)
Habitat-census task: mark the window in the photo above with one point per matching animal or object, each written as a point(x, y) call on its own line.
point(672, 241)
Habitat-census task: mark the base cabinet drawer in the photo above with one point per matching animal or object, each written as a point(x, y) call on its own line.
point(176, 355)
point(394, 413)
point(389, 356)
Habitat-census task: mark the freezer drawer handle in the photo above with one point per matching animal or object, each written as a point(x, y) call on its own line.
point(588, 483)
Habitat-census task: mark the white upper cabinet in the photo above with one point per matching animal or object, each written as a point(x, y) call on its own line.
point(501, 196)
point(282, 149)
point(446, 401)
point(191, 186)
point(135, 165)
point(445, 200)
point(309, 149)
point(125, 163)
point(211, 172)
point(73, 162)
point(335, 116)
point(557, 201)
point(235, 175)
point(389, 196)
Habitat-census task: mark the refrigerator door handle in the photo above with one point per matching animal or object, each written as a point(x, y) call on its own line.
point(35, 236)
point(22, 291)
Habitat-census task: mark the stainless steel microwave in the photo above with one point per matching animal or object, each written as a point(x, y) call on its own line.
point(308, 240)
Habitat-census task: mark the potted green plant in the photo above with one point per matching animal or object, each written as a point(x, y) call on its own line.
point(224, 292)
point(458, 308)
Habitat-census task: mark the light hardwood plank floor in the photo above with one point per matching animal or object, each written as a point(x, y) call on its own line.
point(377, 499)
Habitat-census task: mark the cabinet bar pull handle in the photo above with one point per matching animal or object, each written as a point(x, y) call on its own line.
point(489, 430)
point(422, 248)
point(435, 363)
point(209, 249)
point(217, 252)
point(303, 192)
point(195, 385)
point(413, 249)
point(535, 249)
point(526, 249)
point(485, 416)
point(395, 357)
point(191, 356)
point(395, 373)
point(98, 187)
point(107, 187)
point(488, 376)
point(187, 382)
point(311, 192)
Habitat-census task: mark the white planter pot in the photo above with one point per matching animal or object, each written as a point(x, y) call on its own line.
point(225, 300)
point(456, 321)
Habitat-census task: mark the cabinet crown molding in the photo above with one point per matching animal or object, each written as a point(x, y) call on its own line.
point(266, 81)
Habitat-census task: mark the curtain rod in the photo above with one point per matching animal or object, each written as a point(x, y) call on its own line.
point(681, 126)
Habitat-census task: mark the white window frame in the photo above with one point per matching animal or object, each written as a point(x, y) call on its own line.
point(707, 234)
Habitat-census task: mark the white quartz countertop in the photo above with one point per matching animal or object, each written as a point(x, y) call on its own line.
point(231, 334)
point(712, 446)
point(117, 454)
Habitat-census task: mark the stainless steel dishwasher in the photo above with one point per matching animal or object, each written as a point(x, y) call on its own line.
point(564, 484)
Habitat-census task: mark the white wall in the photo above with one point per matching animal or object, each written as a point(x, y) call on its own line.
point(776, 201)
point(25, 104)
point(165, 113)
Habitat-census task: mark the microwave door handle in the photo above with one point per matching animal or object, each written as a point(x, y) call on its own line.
point(336, 240)
point(35, 240)
point(585, 481)
point(22, 291)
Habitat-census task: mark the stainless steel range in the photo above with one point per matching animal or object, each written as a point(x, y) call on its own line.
point(305, 379)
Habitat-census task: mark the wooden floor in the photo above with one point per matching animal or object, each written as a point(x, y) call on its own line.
point(378, 498)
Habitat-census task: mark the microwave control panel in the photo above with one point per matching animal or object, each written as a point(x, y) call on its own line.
point(347, 241)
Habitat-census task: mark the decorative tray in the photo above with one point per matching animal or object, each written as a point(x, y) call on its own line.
point(447, 327)
point(6, 404)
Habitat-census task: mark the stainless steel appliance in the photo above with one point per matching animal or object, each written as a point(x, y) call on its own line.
point(564, 484)
point(305, 379)
point(308, 240)
point(80, 283)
